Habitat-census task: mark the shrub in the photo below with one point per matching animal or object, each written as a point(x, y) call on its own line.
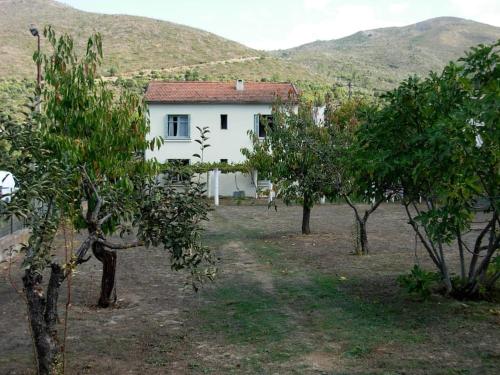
point(419, 282)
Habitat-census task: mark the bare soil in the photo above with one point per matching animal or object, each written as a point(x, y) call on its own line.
point(283, 303)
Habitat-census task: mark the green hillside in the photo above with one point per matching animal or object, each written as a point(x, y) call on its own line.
point(140, 49)
point(381, 58)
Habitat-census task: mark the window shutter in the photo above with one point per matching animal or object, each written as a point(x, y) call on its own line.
point(166, 126)
point(256, 124)
point(189, 126)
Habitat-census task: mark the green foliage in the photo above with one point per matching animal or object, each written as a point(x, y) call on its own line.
point(438, 139)
point(292, 154)
point(171, 217)
point(112, 71)
point(191, 75)
point(85, 149)
point(37, 198)
point(419, 282)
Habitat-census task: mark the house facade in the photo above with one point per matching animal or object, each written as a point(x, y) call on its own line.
point(229, 109)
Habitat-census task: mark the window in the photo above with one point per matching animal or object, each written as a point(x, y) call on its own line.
point(264, 120)
point(223, 122)
point(176, 175)
point(223, 161)
point(178, 127)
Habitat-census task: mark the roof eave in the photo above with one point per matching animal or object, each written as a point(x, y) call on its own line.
point(209, 102)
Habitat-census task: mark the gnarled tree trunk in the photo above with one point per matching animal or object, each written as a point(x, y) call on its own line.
point(43, 315)
point(108, 260)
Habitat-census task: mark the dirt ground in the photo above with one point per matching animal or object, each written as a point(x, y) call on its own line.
point(283, 303)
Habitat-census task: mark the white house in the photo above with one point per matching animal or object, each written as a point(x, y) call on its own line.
point(228, 109)
point(7, 185)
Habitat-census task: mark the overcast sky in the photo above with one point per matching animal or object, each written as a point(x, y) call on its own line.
point(274, 24)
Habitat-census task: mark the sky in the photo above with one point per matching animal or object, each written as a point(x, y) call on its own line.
point(279, 24)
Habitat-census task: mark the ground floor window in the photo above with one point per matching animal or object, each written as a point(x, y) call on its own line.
point(176, 175)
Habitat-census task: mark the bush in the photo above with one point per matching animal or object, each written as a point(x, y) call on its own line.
point(419, 282)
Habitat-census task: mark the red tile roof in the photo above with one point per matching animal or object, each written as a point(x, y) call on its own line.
point(218, 92)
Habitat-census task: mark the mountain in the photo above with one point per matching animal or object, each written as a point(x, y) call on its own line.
point(143, 48)
point(382, 57)
point(130, 43)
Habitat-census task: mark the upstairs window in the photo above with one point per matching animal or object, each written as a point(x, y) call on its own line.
point(223, 122)
point(224, 161)
point(261, 121)
point(178, 127)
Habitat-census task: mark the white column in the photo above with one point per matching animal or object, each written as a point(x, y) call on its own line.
point(256, 183)
point(216, 186)
point(271, 192)
point(322, 200)
point(209, 185)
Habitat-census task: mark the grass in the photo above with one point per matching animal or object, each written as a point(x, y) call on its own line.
point(250, 315)
point(309, 311)
point(279, 306)
point(317, 306)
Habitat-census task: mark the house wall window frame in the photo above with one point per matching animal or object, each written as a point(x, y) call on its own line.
point(259, 124)
point(178, 127)
point(223, 121)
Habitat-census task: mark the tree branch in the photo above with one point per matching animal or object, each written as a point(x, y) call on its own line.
point(477, 246)
point(118, 246)
point(353, 206)
point(421, 237)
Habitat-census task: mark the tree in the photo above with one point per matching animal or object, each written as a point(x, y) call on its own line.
point(81, 159)
point(192, 75)
point(355, 173)
point(439, 140)
point(293, 156)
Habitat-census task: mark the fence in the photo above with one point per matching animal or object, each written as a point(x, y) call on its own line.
point(10, 226)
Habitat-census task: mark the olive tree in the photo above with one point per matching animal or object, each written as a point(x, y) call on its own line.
point(439, 140)
point(293, 156)
point(81, 160)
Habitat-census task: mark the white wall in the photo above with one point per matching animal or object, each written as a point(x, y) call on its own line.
point(224, 144)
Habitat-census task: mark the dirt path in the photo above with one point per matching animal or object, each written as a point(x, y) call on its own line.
point(182, 68)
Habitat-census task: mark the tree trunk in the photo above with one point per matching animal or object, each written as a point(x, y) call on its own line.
point(363, 238)
point(108, 260)
point(306, 215)
point(42, 313)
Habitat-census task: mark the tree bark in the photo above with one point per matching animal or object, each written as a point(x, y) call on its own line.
point(306, 216)
point(43, 317)
point(363, 237)
point(108, 260)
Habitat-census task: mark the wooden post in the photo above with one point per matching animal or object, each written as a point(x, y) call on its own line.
point(216, 187)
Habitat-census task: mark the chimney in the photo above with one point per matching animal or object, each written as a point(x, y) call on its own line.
point(240, 85)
